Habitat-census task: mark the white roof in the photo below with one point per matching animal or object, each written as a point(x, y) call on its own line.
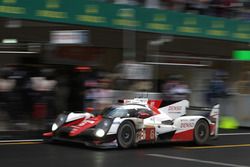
point(132, 106)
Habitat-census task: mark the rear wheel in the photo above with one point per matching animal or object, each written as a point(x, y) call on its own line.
point(201, 132)
point(126, 135)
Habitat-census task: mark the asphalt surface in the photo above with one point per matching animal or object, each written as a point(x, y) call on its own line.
point(231, 149)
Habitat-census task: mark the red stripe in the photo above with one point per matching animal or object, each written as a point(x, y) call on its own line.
point(85, 125)
point(48, 134)
point(154, 103)
point(212, 129)
point(155, 110)
point(75, 122)
point(184, 136)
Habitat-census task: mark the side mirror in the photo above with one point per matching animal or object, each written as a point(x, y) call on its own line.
point(143, 115)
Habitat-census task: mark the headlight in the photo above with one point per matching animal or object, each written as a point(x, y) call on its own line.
point(104, 124)
point(60, 120)
point(99, 133)
point(103, 127)
point(54, 127)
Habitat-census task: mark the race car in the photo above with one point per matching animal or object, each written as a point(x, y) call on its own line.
point(137, 121)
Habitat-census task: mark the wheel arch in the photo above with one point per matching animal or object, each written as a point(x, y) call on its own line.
point(128, 120)
point(120, 141)
point(206, 122)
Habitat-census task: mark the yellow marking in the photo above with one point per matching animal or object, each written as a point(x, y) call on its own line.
point(160, 17)
point(9, 1)
point(51, 14)
point(53, 4)
point(126, 22)
point(217, 32)
point(212, 147)
point(20, 143)
point(92, 9)
point(189, 29)
point(241, 35)
point(12, 10)
point(159, 26)
point(92, 19)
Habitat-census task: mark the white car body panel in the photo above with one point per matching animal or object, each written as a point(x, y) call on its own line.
point(175, 110)
point(117, 121)
point(186, 122)
point(74, 116)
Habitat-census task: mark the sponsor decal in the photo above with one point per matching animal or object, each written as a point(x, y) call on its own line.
point(185, 125)
point(212, 129)
point(175, 108)
point(141, 135)
point(154, 103)
point(151, 134)
point(146, 134)
point(86, 121)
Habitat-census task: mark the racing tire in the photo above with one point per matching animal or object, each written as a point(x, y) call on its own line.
point(201, 132)
point(126, 135)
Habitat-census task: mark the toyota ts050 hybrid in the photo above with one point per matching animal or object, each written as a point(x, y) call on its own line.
point(137, 121)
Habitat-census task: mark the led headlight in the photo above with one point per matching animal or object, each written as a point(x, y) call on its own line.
point(106, 123)
point(60, 120)
point(103, 127)
point(100, 133)
point(54, 127)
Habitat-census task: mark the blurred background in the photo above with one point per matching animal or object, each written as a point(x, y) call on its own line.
point(57, 56)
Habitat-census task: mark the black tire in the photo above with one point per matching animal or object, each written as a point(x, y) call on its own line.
point(201, 132)
point(126, 135)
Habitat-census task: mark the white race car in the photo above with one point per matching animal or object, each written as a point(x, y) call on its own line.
point(137, 121)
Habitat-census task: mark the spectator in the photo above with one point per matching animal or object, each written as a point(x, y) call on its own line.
point(217, 88)
point(104, 94)
point(43, 96)
point(152, 4)
point(174, 90)
point(198, 6)
point(126, 2)
point(178, 5)
point(219, 8)
point(7, 94)
point(224, 8)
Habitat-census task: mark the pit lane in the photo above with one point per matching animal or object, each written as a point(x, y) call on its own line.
point(231, 149)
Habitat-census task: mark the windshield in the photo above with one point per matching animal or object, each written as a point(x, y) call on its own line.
point(113, 112)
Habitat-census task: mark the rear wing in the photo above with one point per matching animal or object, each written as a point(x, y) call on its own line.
point(175, 110)
point(206, 111)
point(214, 117)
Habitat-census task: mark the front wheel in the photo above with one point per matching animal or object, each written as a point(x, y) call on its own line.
point(201, 132)
point(126, 135)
